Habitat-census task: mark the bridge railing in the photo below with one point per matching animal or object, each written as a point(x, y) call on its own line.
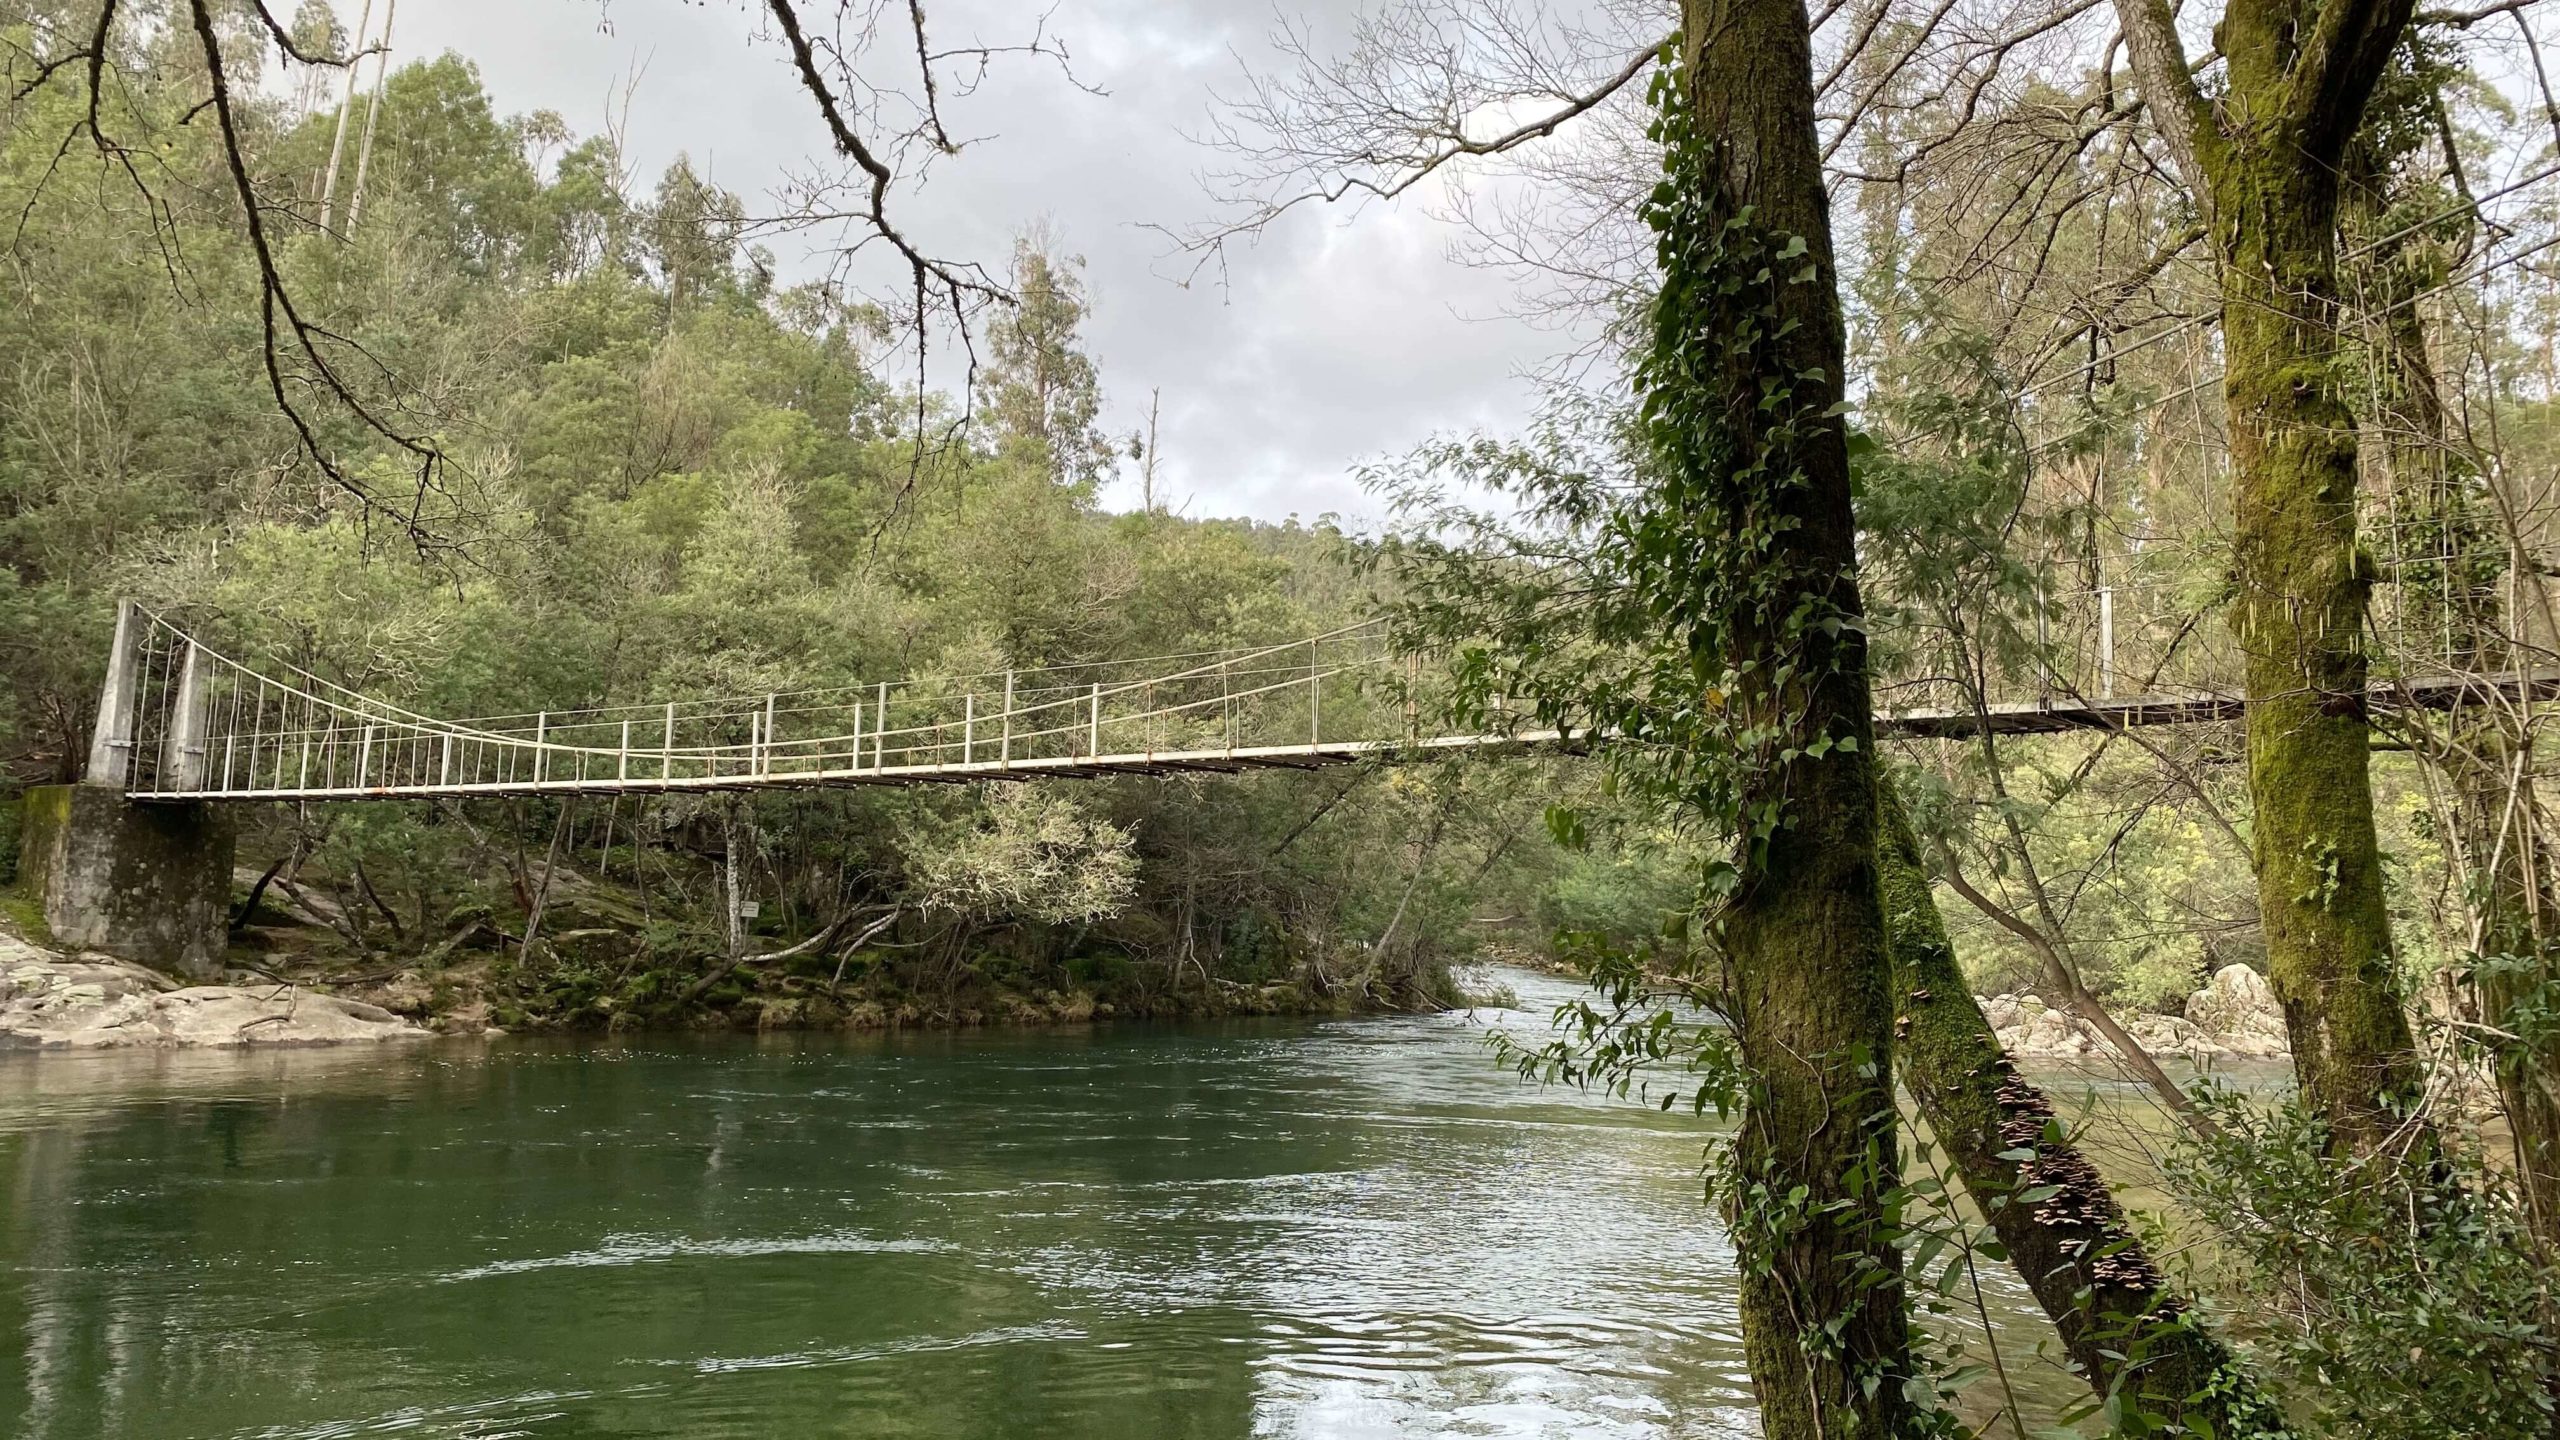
point(181, 719)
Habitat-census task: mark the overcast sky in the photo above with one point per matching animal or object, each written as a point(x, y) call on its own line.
point(1340, 337)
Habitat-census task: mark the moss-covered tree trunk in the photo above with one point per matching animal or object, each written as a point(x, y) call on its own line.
point(1825, 1331)
point(2263, 161)
point(2303, 580)
point(2124, 1329)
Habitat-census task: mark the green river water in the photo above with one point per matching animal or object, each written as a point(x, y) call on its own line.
point(1340, 1228)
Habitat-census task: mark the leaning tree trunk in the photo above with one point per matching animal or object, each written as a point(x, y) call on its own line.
point(1825, 1330)
point(2127, 1333)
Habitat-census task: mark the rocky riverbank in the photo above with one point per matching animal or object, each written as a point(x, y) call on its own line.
point(2235, 1016)
point(50, 1001)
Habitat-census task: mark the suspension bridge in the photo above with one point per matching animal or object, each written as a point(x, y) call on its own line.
point(181, 720)
point(137, 861)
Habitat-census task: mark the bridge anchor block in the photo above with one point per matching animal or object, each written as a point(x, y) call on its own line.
point(147, 883)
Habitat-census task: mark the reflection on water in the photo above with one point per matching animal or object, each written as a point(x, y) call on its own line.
point(1360, 1228)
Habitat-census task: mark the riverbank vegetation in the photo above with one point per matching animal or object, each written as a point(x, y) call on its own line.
point(1978, 280)
point(664, 473)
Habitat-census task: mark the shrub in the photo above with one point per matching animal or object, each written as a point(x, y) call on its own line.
point(2398, 1300)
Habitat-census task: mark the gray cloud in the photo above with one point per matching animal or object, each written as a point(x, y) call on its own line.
point(1339, 337)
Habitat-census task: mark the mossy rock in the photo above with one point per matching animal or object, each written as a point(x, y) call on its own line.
point(25, 914)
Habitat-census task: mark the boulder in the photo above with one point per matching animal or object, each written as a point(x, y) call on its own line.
point(2174, 1035)
point(92, 1002)
point(2031, 1030)
point(406, 993)
point(2238, 1009)
point(2000, 1010)
point(2235, 1015)
point(2054, 1035)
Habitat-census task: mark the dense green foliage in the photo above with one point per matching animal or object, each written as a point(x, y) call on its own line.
point(588, 450)
point(666, 475)
point(2399, 1304)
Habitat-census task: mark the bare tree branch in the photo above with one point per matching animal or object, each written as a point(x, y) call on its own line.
point(2465, 19)
point(276, 302)
point(1408, 100)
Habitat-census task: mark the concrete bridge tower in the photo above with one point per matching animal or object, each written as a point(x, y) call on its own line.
point(148, 882)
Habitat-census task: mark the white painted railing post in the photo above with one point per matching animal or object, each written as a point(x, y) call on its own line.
point(880, 731)
point(364, 758)
point(1006, 755)
point(2106, 642)
point(284, 719)
point(2044, 641)
point(968, 725)
point(764, 746)
point(857, 738)
point(1315, 700)
point(667, 747)
point(541, 731)
point(444, 763)
point(1093, 747)
point(622, 757)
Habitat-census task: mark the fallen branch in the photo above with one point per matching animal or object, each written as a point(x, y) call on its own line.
point(819, 941)
point(257, 892)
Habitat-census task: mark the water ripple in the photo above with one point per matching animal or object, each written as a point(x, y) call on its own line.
point(647, 1250)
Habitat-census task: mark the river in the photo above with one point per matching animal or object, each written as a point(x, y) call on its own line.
point(1277, 1228)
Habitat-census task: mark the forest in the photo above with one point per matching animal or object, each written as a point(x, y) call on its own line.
point(673, 477)
point(1958, 362)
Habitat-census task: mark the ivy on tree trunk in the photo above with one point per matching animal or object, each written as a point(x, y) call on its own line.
point(1754, 551)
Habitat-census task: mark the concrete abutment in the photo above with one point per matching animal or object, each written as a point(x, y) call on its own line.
point(149, 883)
